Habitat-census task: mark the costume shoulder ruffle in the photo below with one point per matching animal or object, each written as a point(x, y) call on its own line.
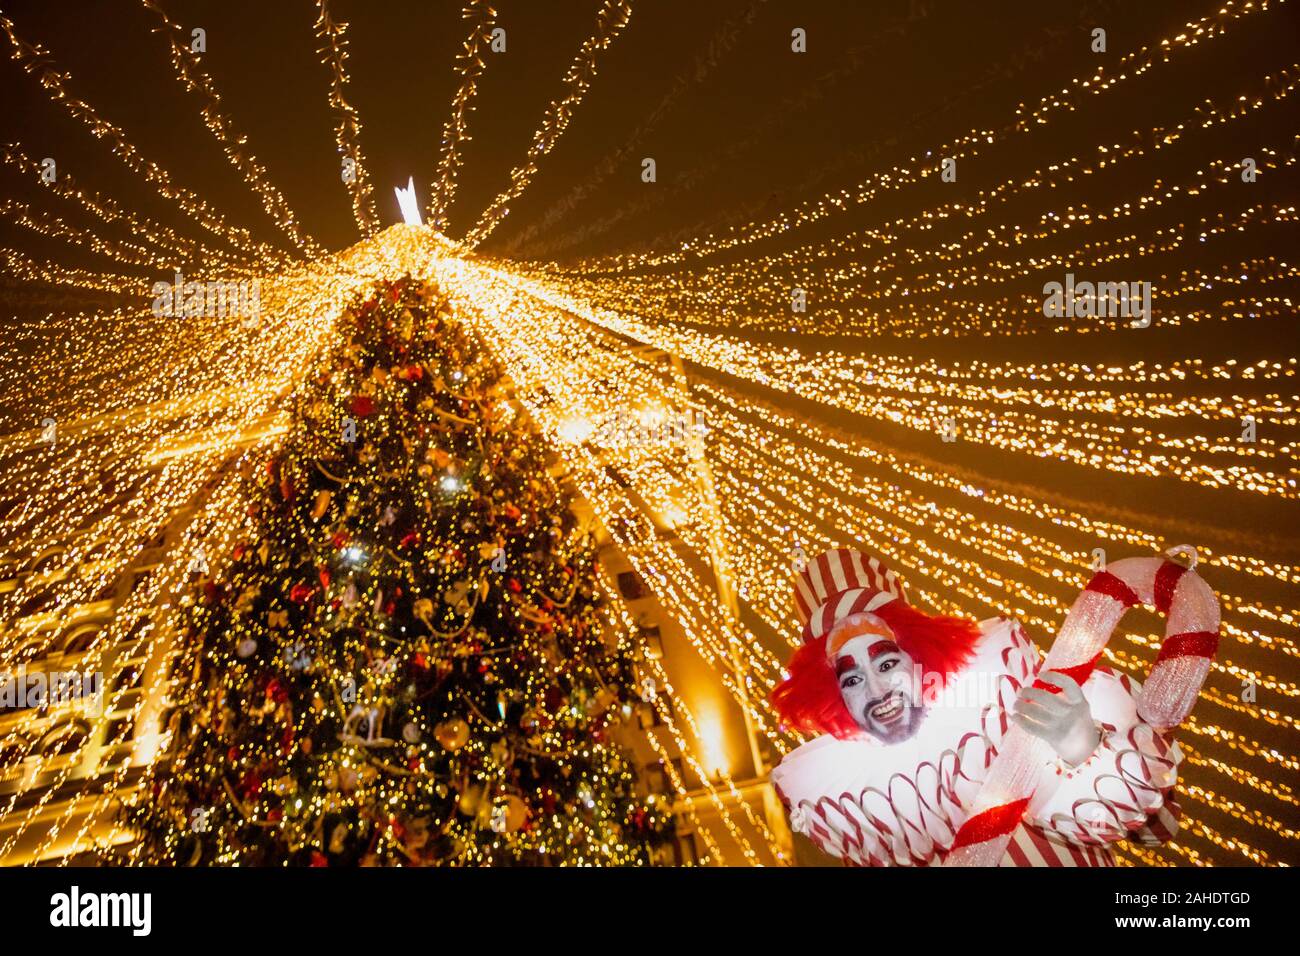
point(901, 805)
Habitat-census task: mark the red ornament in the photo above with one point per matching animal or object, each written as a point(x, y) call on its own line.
point(324, 577)
point(251, 784)
point(319, 859)
point(340, 539)
point(301, 593)
point(362, 405)
point(410, 538)
point(276, 691)
point(514, 585)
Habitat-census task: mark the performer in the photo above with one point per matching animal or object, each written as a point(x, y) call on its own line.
point(912, 708)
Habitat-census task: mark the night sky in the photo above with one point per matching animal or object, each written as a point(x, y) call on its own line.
point(738, 125)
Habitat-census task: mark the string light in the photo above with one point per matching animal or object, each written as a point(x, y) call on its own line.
point(610, 21)
point(1130, 66)
point(469, 66)
point(196, 80)
point(174, 250)
point(24, 267)
point(723, 42)
point(35, 61)
point(347, 134)
point(23, 215)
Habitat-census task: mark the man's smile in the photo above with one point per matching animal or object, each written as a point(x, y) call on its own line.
point(889, 710)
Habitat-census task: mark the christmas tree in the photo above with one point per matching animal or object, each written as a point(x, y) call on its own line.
point(405, 664)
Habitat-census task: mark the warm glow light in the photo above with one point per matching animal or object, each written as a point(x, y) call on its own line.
point(409, 205)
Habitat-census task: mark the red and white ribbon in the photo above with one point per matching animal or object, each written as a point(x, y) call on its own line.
point(1191, 638)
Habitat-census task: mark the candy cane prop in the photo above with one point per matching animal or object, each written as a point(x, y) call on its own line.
point(1191, 639)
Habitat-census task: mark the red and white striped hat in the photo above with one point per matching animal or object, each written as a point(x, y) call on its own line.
point(838, 583)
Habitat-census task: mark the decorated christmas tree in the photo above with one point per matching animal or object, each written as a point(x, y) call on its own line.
point(405, 662)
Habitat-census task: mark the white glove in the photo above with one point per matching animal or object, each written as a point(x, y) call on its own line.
point(1063, 719)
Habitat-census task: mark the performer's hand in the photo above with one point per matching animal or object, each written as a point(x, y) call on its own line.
point(1063, 719)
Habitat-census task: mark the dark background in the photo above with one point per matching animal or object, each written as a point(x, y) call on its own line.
point(744, 127)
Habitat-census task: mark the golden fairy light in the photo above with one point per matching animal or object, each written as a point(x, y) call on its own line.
point(36, 61)
point(347, 132)
point(195, 79)
point(612, 17)
point(469, 66)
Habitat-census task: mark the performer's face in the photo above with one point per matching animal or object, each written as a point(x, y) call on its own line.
point(875, 677)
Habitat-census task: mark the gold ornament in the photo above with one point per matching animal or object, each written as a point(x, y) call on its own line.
point(516, 812)
point(452, 734)
point(423, 610)
point(322, 504)
point(470, 800)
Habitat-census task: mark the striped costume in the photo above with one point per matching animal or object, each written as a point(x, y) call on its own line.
point(874, 804)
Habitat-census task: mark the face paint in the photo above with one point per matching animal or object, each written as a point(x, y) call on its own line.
point(875, 678)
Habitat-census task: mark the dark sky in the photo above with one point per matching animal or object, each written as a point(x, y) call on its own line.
point(747, 129)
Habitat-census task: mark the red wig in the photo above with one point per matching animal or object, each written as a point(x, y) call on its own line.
point(810, 700)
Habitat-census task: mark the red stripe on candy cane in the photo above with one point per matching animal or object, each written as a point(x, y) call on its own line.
point(993, 822)
point(1103, 582)
point(1166, 583)
point(1017, 854)
point(1079, 673)
point(1193, 644)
